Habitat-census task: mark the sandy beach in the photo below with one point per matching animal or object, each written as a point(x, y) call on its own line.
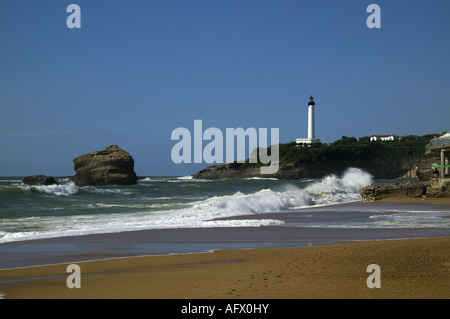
point(410, 268)
point(285, 262)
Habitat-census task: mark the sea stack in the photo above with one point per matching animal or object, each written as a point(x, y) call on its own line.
point(112, 166)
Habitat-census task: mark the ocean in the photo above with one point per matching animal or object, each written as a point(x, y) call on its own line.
point(171, 215)
point(38, 212)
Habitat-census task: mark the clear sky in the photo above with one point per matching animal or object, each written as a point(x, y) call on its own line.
point(136, 70)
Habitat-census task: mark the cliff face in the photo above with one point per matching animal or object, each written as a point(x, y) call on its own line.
point(110, 166)
point(235, 171)
point(387, 170)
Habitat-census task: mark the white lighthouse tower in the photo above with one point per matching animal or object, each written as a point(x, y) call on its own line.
point(311, 133)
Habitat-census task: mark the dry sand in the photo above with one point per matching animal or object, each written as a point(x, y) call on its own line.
point(410, 268)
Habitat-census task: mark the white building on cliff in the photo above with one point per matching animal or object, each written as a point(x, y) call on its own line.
point(391, 137)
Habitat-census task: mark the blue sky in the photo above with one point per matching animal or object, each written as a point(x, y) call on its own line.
point(136, 70)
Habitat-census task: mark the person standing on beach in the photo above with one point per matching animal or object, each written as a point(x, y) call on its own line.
point(423, 189)
point(417, 171)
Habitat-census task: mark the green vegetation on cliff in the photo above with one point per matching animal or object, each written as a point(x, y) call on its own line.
point(409, 148)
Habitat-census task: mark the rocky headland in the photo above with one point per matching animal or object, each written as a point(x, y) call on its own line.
point(110, 166)
point(235, 171)
point(408, 189)
point(383, 160)
point(379, 170)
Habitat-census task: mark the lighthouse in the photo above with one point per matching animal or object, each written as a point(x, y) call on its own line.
point(311, 118)
point(311, 132)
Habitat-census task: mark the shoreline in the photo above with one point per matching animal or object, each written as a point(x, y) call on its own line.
point(166, 242)
point(277, 262)
point(410, 268)
point(295, 232)
point(433, 200)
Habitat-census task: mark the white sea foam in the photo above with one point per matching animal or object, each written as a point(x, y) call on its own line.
point(355, 179)
point(66, 189)
point(94, 189)
point(352, 180)
point(151, 179)
point(411, 219)
point(174, 213)
point(333, 189)
point(117, 224)
point(265, 200)
point(59, 190)
point(188, 177)
point(173, 179)
point(198, 214)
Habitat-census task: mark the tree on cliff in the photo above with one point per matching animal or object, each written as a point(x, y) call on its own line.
point(350, 149)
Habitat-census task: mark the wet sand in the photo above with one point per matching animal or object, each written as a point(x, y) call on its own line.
point(416, 200)
point(181, 241)
point(410, 268)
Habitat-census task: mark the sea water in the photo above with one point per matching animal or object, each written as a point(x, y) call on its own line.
point(35, 212)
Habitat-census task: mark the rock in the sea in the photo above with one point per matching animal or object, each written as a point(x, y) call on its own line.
point(39, 180)
point(113, 166)
point(234, 171)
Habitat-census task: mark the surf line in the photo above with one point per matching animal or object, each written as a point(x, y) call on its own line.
point(213, 152)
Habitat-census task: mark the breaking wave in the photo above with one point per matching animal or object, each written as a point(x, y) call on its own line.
point(117, 209)
point(66, 189)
